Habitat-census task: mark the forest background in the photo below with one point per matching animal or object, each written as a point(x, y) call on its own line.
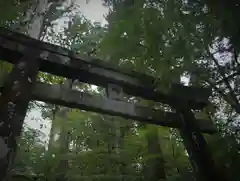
point(177, 41)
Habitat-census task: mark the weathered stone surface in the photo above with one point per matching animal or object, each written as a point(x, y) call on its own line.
point(75, 99)
point(197, 148)
point(59, 61)
point(16, 94)
point(62, 62)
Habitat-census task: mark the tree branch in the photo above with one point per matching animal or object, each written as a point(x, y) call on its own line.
point(225, 80)
point(225, 97)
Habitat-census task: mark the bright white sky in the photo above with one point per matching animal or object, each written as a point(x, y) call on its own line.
point(94, 11)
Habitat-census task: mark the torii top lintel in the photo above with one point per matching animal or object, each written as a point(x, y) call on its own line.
point(63, 62)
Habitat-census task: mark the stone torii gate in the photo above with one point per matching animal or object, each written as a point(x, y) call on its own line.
point(30, 56)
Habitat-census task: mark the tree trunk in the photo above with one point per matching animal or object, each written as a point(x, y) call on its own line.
point(63, 146)
point(154, 166)
point(51, 142)
point(117, 147)
point(34, 18)
point(64, 139)
point(115, 92)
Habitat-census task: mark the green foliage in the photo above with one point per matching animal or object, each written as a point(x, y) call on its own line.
point(11, 11)
point(30, 153)
point(167, 39)
point(5, 69)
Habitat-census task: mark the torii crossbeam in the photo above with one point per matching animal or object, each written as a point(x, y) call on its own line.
point(30, 56)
